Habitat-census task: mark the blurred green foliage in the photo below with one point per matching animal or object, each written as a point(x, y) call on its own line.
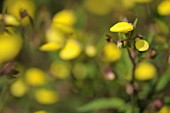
point(70, 62)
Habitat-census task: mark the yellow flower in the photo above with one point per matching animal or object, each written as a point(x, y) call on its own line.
point(64, 20)
point(45, 96)
point(111, 53)
point(122, 27)
point(145, 71)
point(16, 7)
point(42, 111)
point(64, 28)
point(9, 20)
point(90, 51)
point(60, 70)
point(65, 17)
point(141, 45)
point(128, 4)
point(99, 7)
point(18, 88)
point(71, 50)
point(163, 8)
point(50, 46)
point(35, 77)
point(142, 1)
point(54, 35)
point(55, 40)
point(165, 109)
point(10, 45)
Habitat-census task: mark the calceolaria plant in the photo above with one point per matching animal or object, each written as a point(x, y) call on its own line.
point(84, 56)
point(144, 83)
point(143, 68)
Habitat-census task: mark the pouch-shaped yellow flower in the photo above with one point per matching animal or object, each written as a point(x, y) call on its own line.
point(46, 96)
point(50, 46)
point(99, 7)
point(9, 19)
point(122, 27)
point(16, 7)
point(90, 50)
point(71, 50)
point(65, 17)
point(10, 45)
point(141, 45)
point(142, 1)
point(111, 52)
point(128, 4)
point(42, 111)
point(35, 77)
point(163, 8)
point(164, 109)
point(145, 71)
point(60, 70)
point(18, 88)
point(64, 20)
point(55, 35)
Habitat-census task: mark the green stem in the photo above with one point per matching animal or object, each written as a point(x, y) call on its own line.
point(135, 97)
point(3, 98)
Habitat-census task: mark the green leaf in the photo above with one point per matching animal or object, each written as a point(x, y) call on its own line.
point(103, 103)
point(125, 65)
point(135, 22)
point(150, 38)
point(166, 100)
point(165, 78)
point(3, 80)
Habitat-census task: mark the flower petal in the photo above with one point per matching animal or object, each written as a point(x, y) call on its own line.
point(123, 27)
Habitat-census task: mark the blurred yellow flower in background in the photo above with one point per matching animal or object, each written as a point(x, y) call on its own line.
point(50, 46)
point(45, 96)
point(71, 50)
point(143, 1)
point(60, 70)
point(19, 9)
point(18, 88)
point(55, 40)
point(163, 8)
point(54, 35)
point(122, 27)
point(9, 20)
point(164, 109)
point(64, 20)
point(128, 3)
point(99, 7)
point(145, 71)
point(65, 17)
point(141, 45)
point(35, 77)
point(90, 50)
point(131, 3)
point(41, 112)
point(10, 45)
point(111, 53)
